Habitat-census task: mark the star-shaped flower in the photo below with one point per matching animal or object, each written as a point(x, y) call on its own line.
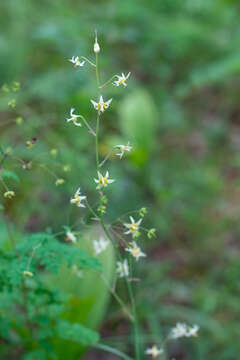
point(135, 251)
point(121, 80)
point(154, 351)
point(122, 149)
point(133, 228)
point(100, 245)
point(76, 61)
point(181, 330)
point(77, 199)
point(74, 118)
point(122, 268)
point(70, 236)
point(103, 181)
point(101, 106)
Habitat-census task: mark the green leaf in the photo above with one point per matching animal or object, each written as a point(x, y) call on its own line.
point(138, 122)
point(76, 332)
point(9, 175)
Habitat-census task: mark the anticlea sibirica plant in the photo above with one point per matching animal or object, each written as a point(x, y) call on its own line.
point(21, 267)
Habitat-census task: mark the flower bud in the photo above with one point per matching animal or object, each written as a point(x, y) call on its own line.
point(96, 47)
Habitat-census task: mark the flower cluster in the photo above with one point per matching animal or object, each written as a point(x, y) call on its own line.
point(133, 227)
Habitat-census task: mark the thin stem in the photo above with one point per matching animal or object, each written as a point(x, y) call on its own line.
point(88, 126)
point(86, 59)
point(107, 82)
point(112, 350)
point(118, 299)
point(106, 158)
point(136, 330)
point(96, 142)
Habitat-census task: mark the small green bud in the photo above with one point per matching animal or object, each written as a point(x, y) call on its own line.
point(104, 199)
point(151, 233)
point(28, 273)
point(5, 88)
point(67, 168)
point(142, 212)
point(59, 182)
point(15, 86)
point(12, 103)
point(102, 209)
point(19, 120)
point(53, 153)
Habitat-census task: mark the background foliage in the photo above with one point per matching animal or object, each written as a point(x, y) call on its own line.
point(180, 111)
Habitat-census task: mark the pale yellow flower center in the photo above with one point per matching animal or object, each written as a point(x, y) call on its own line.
point(133, 227)
point(122, 81)
point(136, 252)
point(103, 180)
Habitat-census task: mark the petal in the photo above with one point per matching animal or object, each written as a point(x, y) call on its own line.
point(132, 219)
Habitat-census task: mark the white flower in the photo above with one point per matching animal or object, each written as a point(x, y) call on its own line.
point(121, 80)
point(103, 181)
point(74, 118)
point(123, 148)
point(178, 331)
point(100, 245)
point(154, 351)
point(70, 236)
point(77, 271)
point(122, 268)
point(76, 61)
point(192, 331)
point(181, 330)
point(133, 227)
point(135, 251)
point(101, 105)
point(77, 199)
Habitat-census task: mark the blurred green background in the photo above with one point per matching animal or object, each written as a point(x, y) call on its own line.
point(181, 114)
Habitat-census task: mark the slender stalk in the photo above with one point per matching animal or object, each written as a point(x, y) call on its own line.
point(112, 350)
point(129, 286)
point(118, 299)
point(96, 142)
point(107, 82)
point(86, 59)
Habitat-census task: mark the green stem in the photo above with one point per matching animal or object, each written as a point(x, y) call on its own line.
point(86, 59)
point(129, 286)
point(136, 330)
point(112, 350)
point(96, 142)
point(107, 82)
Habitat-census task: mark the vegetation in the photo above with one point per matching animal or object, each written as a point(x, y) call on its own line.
point(180, 114)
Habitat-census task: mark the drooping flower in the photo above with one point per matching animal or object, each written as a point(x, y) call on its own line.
point(77, 199)
point(122, 268)
point(135, 250)
point(76, 61)
point(121, 80)
point(70, 236)
point(181, 330)
point(133, 228)
point(102, 105)
point(154, 352)
point(100, 245)
point(123, 148)
point(103, 181)
point(74, 118)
